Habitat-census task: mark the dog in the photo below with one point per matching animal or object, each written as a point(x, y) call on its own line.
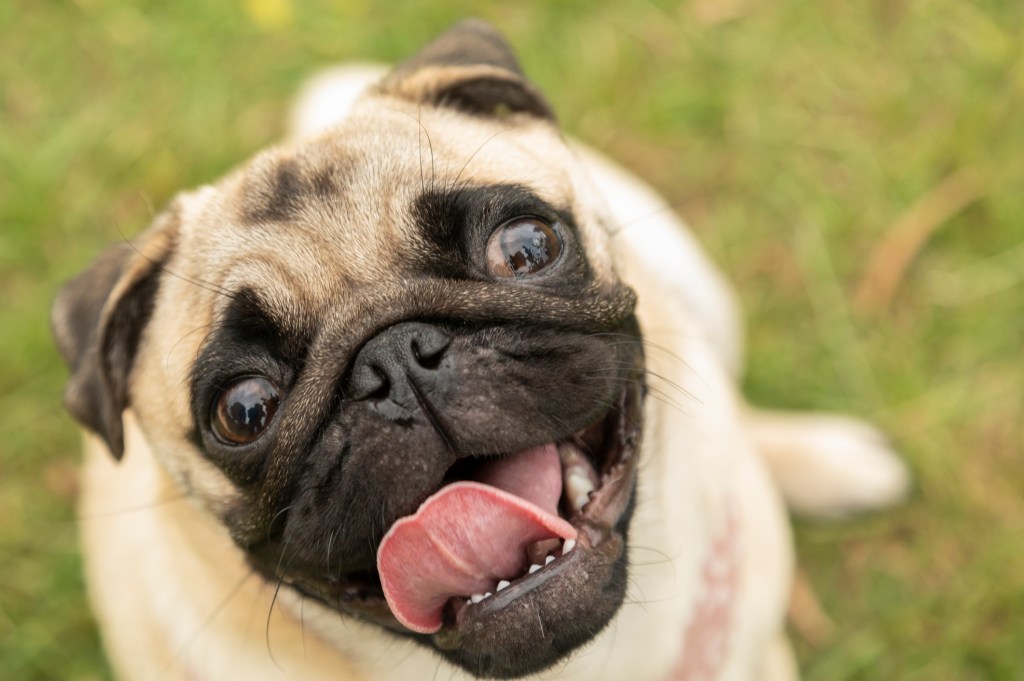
point(429, 391)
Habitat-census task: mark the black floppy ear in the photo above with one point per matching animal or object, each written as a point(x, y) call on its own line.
point(469, 67)
point(98, 320)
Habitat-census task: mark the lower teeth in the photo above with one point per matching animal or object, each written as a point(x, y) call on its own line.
point(569, 545)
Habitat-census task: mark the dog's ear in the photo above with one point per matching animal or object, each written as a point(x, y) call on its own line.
point(469, 67)
point(98, 320)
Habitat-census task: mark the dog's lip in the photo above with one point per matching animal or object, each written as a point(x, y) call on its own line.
point(593, 536)
point(596, 525)
point(361, 596)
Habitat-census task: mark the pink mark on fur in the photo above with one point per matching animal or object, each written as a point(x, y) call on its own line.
point(706, 642)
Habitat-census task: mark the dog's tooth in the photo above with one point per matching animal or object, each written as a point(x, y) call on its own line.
point(578, 487)
point(503, 584)
point(570, 544)
point(488, 594)
point(476, 598)
point(534, 568)
point(575, 461)
point(569, 453)
point(549, 560)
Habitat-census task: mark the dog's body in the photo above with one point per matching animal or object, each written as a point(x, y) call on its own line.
point(177, 590)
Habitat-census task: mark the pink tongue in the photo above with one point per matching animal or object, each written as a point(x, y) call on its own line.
point(469, 535)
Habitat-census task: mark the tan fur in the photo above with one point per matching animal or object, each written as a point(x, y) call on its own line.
point(329, 256)
point(173, 594)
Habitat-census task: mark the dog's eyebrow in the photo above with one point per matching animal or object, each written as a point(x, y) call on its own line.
point(274, 195)
point(276, 189)
point(251, 319)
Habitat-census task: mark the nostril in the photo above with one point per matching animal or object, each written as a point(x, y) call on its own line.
point(383, 388)
point(428, 350)
point(397, 362)
point(369, 382)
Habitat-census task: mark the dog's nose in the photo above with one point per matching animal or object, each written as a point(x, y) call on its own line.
point(401, 367)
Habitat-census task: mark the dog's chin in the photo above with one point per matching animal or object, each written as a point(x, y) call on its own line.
point(569, 590)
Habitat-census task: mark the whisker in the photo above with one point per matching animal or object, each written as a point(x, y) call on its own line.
point(637, 221)
point(430, 145)
point(133, 509)
point(200, 283)
point(458, 176)
point(277, 590)
point(179, 654)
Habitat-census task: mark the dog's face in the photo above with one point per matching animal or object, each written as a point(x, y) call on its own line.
point(394, 362)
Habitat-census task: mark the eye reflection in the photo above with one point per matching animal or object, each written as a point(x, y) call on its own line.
point(244, 410)
point(522, 247)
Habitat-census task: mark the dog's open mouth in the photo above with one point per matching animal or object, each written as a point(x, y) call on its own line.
point(485, 538)
point(504, 528)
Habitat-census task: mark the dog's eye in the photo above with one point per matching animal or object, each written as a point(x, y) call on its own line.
point(521, 247)
point(244, 409)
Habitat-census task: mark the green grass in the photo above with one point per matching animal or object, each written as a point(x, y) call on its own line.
point(792, 135)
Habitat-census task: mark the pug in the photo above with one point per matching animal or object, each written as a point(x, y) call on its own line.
point(430, 391)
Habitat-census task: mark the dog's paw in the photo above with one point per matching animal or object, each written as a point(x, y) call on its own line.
point(829, 465)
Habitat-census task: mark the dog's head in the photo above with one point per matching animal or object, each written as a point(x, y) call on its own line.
point(394, 361)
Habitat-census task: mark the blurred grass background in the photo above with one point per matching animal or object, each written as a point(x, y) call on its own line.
point(856, 167)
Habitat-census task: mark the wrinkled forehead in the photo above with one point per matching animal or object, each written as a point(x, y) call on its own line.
point(310, 224)
point(449, 146)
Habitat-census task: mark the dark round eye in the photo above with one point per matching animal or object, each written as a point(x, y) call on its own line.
point(522, 247)
point(244, 410)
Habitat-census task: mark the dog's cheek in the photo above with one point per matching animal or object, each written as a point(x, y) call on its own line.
point(502, 404)
point(161, 400)
point(365, 473)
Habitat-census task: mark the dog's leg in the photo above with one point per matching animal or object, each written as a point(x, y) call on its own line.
point(828, 465)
